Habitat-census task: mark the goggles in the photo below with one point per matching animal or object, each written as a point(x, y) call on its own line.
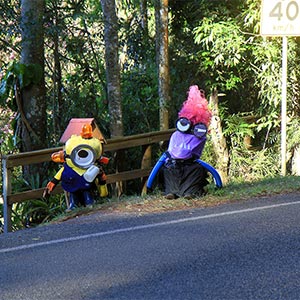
point(82, 156)
point(184, 125)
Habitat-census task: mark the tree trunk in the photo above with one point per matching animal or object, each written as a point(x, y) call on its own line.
point(218, 139)
point(33, 103)
point(31, 98)
point(112, 67)
point(113, 82)
point(161, 20)
point(57, 79)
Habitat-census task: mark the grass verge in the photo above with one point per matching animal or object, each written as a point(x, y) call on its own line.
point(155, 202)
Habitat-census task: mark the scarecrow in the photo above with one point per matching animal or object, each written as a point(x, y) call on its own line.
point(182, 173)
point(82, 169)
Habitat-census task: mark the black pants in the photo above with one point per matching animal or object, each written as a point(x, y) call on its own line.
point(183, 178)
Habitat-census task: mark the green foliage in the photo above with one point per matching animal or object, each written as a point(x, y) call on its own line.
point(7, 138)
point(139, 101)
point(243, 65)
point(248, 166)
point(269, 127)
point(223, 50)
point(37, 211)
point(237, 129)
point(17, 75)
point(83, 99)
point(247, 163)
point(267, 69)
point(226, 46)
point(293, 134)
point(21, 74)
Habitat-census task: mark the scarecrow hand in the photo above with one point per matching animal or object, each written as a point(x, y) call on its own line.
point(49, 188)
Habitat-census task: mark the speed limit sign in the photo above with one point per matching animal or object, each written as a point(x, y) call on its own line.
point(280, 18)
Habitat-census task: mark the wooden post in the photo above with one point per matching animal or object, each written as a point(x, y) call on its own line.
point(146, 164)
point(117, 187)
point(7, 207)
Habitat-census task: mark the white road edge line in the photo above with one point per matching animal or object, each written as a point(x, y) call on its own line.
point(140, 227)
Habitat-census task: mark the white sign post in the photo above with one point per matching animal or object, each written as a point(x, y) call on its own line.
point(281, 18)
point(283, 105)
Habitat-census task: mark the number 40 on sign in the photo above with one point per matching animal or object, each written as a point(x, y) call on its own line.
point(280, 18)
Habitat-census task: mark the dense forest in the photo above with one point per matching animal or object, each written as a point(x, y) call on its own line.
point(129, 64)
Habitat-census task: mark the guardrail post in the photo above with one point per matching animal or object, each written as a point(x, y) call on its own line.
point(7, 208)
point(146, 164)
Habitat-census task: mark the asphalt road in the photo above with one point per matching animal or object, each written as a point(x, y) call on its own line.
point(245, 250)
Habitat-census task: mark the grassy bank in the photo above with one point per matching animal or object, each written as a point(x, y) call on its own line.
point(155, 202)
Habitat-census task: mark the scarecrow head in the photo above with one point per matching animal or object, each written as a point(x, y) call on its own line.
point(80, 151)
point(194, 116)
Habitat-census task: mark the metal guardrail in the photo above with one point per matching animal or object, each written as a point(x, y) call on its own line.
point(27, 158)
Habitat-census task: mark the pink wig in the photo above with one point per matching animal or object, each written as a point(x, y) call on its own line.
point(195, 108)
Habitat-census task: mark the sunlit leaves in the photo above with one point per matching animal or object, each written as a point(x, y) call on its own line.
point(223, 41)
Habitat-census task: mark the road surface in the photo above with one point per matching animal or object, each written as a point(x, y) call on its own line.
point(243, 250)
